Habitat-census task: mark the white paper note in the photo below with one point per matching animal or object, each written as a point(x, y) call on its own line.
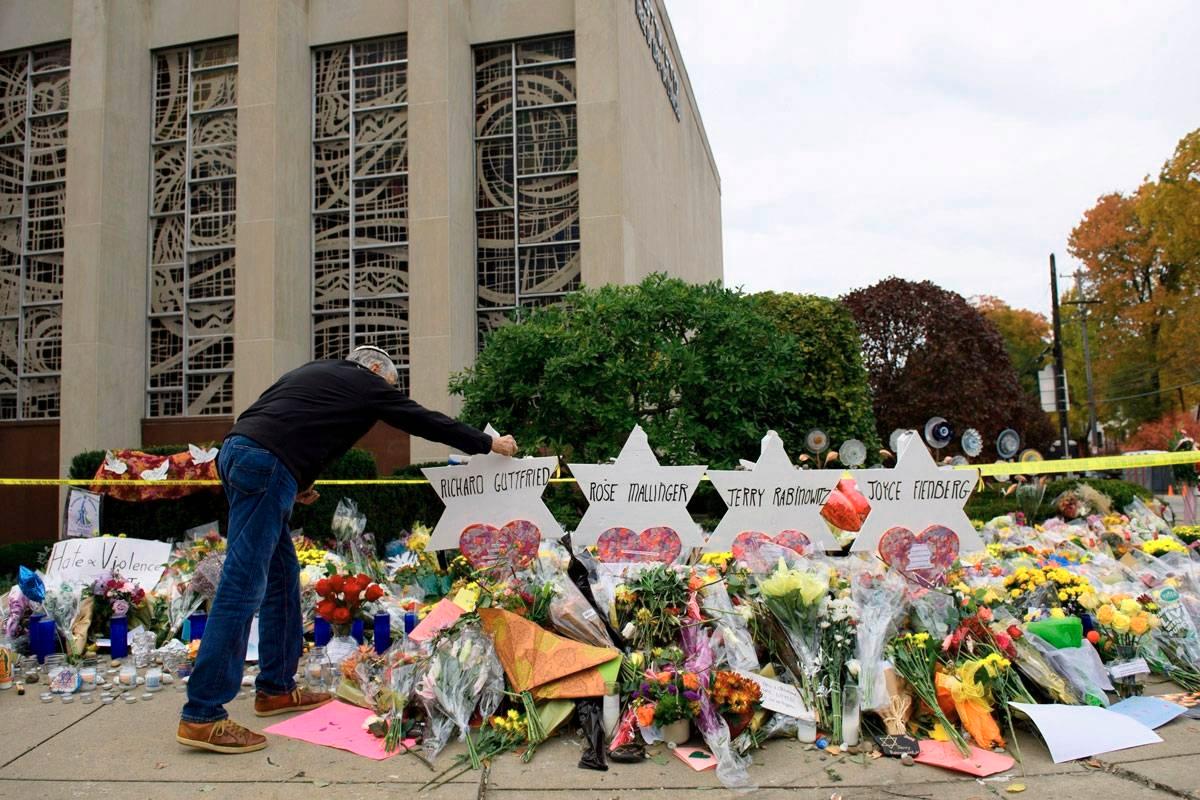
point(778, 696)
point(1073, 732)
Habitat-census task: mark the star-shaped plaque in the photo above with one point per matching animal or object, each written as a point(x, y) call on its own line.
point(916, 494)
point(773, 496)
point(492, 490)
point(638, 494)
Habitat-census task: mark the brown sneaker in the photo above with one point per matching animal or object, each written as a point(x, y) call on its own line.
point(222, 736)
point(268, 705)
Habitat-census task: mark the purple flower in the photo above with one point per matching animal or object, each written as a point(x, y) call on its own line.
point(672, 688)
point(120, 608)
point(691, 696)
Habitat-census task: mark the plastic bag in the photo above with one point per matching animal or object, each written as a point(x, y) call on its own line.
point(581, 572)
point(880, 599)
point(1080, 667)
point(731, 638)
point(591, 718)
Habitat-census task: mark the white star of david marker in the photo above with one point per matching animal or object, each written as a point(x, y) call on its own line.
point(636, 492)
point(773, 496)
point(915, 494)
point(491, 489)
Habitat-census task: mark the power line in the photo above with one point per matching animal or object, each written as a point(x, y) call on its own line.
point(1148, 394)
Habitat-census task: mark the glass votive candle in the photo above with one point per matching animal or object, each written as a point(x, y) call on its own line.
point(88, 674)
point(127, 675)
point(153, 679)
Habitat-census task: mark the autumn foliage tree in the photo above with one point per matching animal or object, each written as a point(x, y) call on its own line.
point(1141, 258)
point(928, 353)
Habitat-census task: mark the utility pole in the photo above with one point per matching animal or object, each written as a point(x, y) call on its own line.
point(1083, 303)
point(1060, 374)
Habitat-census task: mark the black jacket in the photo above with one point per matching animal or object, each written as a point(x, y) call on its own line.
point(315, 413)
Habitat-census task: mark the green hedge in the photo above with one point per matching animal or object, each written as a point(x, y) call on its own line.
point(989, 503)
point(17, 554)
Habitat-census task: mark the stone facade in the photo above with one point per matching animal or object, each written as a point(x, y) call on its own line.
point(648, 187)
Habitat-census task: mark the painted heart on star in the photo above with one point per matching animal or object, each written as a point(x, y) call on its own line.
point(747, 546)
point(622, 545)
point(485, 546)
point(846, 508)
point(925, 556)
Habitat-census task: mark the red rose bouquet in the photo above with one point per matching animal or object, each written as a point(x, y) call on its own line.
point(342, 597)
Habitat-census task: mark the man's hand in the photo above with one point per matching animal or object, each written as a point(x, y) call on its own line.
point(504, 445)
point(308, 496)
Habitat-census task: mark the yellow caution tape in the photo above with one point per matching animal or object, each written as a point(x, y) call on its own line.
point(1096, 464)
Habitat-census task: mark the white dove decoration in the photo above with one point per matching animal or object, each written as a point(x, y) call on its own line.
point(158, 473)
point(114, 465)
point(200, 455)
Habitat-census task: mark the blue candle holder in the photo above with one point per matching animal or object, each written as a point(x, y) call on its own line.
point(118, 635)
point(410, 622)
point(356, 630)
point(45, 641)
point(198, 621)
point(322, 632)
point(383, 632)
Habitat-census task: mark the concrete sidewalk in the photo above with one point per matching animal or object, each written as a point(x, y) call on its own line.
point(52, 751)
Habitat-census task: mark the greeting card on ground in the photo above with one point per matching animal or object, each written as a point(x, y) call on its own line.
point(1153, 712)
point(697, 758)
point(1073, 732)
point(338, 725)
point(980, 763)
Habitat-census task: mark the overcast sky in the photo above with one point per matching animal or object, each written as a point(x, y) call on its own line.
point(958, 142)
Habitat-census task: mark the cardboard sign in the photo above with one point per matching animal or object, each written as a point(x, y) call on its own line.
point(81, 561)
point(773, 497)
point(492, 490)
point(637, 493)
point(778, 696)
point(81, 516)
point(916, 494)
point(1153, 712)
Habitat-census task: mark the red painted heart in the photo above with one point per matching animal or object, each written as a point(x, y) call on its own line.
point(747, 544)
point(925, 556)
point(624, 545)
point(486, 545)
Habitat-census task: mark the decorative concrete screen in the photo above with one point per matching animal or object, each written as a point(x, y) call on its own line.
point(34, 94)
point(193, 195)
point(360, 199)
point(527, 177)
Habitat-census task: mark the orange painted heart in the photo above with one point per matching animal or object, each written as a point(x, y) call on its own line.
point(485, 546)
point(625, 545)
point(925, 556)
point(748, 546)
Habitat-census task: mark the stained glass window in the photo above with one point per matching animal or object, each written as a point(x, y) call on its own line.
point(34, 94)
point(526, 177)
point(360, 199)
point(193, 208)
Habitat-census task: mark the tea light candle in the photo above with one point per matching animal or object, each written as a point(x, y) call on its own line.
point(68, 698)
point(147, 696)
point(86, 698)
point(47, 697)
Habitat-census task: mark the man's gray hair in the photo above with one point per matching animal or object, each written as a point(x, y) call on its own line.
point(370, 356)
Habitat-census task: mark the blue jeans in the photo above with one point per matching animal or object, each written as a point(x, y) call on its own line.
point(261, 574)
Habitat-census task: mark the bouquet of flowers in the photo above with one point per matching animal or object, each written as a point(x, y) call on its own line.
point(1053, 587)
point(732, 637)
point(666, 697)
point(1122, 623)
point(880, 599)
point(736, 698)
point(62, 604)
point(342, 597)
point(796, 594)
point(414, 570)
point(112, 596)
point(914, 657)
point(837, 649)
point(463, 674)
point(355, 546)
point(648, 608)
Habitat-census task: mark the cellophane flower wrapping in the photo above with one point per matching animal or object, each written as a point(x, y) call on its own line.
point(731, 638)
point(731, 766)
point(355, 546)
point(463, 674)
point(61, 604)
point(879, 595)
point(570, 612)
point(17, 614)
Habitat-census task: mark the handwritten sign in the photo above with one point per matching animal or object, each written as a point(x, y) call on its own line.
point(492, 490)
point(637, 493)
point(778, 696)
point(915, 494)
point(80, 561)
point(773, 496)
point(81, 517)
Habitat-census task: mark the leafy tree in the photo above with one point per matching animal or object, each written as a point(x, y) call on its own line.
point(704, 369)
point(930, 353)
point(1026, 337)
point(1141, 257)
